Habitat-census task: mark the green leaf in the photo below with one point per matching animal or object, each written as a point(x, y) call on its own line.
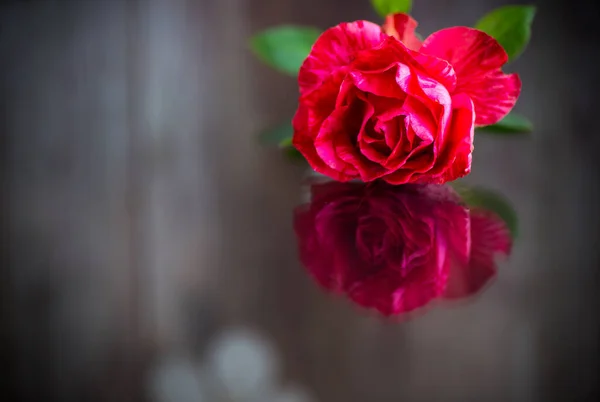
point(509, 25)
point(284, 47)
point(511, 124)
point(293, 154)
point(477, 197)
point(280, 135)
point(387, 7)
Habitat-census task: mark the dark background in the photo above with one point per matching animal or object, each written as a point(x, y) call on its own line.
point(140, 217)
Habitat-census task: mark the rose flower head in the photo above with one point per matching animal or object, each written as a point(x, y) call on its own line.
point(376, 102)
point(397, 248)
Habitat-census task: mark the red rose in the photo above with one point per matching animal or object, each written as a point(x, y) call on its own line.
point(377, 103)
point(397, 248)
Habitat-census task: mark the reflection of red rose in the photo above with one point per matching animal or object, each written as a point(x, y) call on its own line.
point(377, 103)
point(397, 248)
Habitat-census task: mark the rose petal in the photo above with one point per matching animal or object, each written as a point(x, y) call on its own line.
point(422, 119)
point(421, 159)
point(303, 140)
point(404, 155)
point(489, 236)
point(461, 132)
point(381, 134)
point(400, 176)
point(477, 59)
point(454, 147)
point(392, 53)
point(335, 49)
point(424, 166)
point(314, 108)
point(402, 27)
point(381, 82)
point(434, 101)
point(375, 150)
point(336, 142)
point(333, 138)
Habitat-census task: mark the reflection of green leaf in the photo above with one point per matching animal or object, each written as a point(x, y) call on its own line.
point(386, 7)
point(509, 25)
point(280, 135)
point(511, 124)
point(477, 197)
point(284, 47)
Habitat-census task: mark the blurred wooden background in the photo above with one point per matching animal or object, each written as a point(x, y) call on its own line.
point(141, 216)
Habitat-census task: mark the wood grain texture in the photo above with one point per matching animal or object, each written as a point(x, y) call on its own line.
point(141, 216)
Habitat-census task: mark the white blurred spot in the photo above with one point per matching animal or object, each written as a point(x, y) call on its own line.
point(246, 365)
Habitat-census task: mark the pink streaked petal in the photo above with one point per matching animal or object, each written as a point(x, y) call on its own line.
point(322, 101)
point(421, 119)
point(421, 159)
point(380, 83)
point(463, 127)
point(402, 27)
point(394, 129)
point(385, 108)
point(439, 69)
point(393, 52)
point(333, 141)
point(477, 59)
point(489, 237)
point(426, 90)
point(336, 148)
point(375, 151)
point(399, 154)
point(468, 50)
point(335, 49)
point(372, 143)
point(404, 152)
point(494, 96)
point(336, 140)
point(455, 159)
point(303, 141)
point(367, 169)
point(400, 176)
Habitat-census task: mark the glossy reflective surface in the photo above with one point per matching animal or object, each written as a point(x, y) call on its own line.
point(397, 248)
